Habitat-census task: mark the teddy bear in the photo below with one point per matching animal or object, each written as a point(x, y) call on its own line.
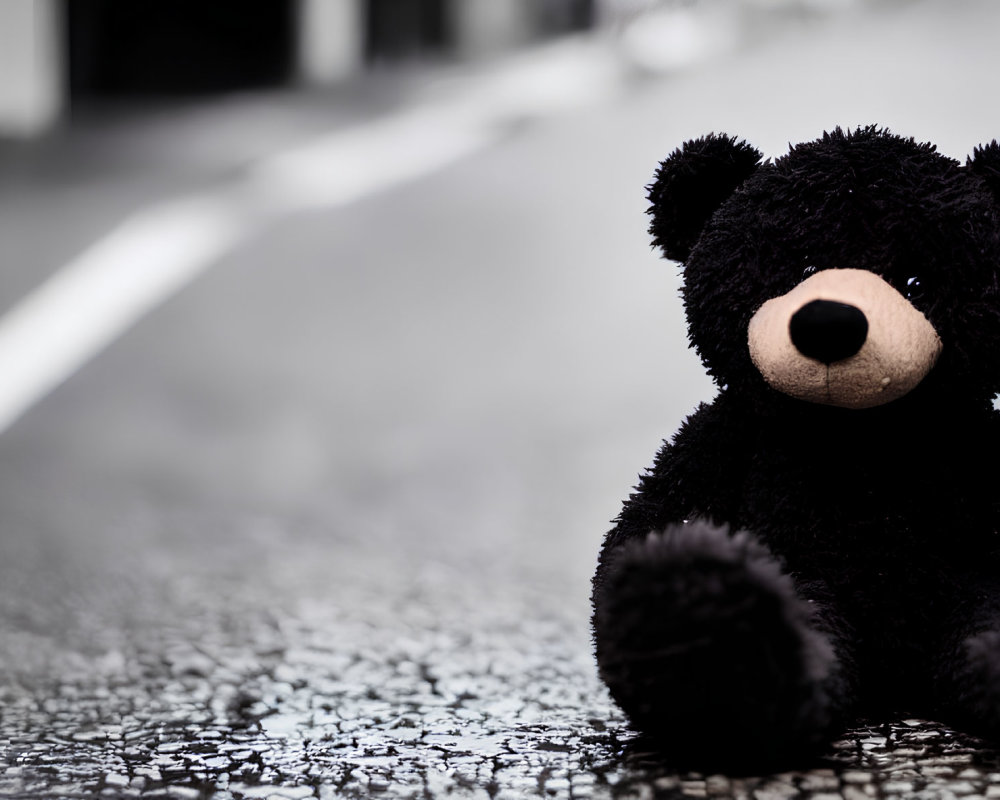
point(819, 543)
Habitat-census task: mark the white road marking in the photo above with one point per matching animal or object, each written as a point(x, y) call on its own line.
point(344, 167)
point(86, 304)
point(151, 255)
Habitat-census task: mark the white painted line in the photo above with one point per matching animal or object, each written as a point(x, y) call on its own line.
point(150, 256)
point(154, 253)
point(91, 300)
point(346, 166)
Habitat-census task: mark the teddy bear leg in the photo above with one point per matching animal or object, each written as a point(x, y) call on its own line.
point(967, 680)
point(705, 643)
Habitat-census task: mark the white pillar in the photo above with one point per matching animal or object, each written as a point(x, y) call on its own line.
point(331, 40)
point(486, 27)
point(31, 64)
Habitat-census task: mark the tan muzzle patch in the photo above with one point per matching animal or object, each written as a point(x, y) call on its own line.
point(899, 346)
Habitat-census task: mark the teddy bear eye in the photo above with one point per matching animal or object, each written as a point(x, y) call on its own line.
point(914, 288)
point(810, 270)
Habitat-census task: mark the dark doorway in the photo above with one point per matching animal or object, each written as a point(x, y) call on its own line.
point(143, 47)
point(563, 16)
point(406, 29)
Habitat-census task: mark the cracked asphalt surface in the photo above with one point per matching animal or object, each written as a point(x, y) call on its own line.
point(353, 688)
point(323, 524)
point(313, 679)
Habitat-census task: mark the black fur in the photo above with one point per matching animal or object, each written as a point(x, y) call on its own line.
point(867, 577)
point(691, 184)
point(710, 650)
point(985, 162)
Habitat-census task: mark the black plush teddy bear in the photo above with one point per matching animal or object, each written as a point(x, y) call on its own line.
point(821, 541)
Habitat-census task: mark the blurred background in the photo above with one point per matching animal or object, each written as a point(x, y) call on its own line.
point(331, 340)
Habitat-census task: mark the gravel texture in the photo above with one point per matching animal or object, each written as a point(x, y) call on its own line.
point(323, 668)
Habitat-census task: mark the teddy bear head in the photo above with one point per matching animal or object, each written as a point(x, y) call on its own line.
point(856, 270)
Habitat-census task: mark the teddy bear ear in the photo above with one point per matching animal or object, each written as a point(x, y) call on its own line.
point(985, 162)
point(691, 184)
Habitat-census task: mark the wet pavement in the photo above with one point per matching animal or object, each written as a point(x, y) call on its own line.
point(322, 525)
point(338, 669)
point(186, 665)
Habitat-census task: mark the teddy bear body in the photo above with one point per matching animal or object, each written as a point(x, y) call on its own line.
point(894, 527)
point(821, 541)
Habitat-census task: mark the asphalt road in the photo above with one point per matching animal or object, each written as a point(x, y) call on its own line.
point(322, 524)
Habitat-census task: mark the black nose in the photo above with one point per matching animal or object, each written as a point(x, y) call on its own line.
point(828, 331)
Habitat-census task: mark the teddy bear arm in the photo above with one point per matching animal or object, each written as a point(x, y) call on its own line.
point(698, 474)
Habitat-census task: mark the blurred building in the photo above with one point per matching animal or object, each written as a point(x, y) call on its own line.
point(54, 53)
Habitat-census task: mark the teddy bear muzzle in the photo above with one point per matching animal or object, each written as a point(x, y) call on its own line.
point(843, 337)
